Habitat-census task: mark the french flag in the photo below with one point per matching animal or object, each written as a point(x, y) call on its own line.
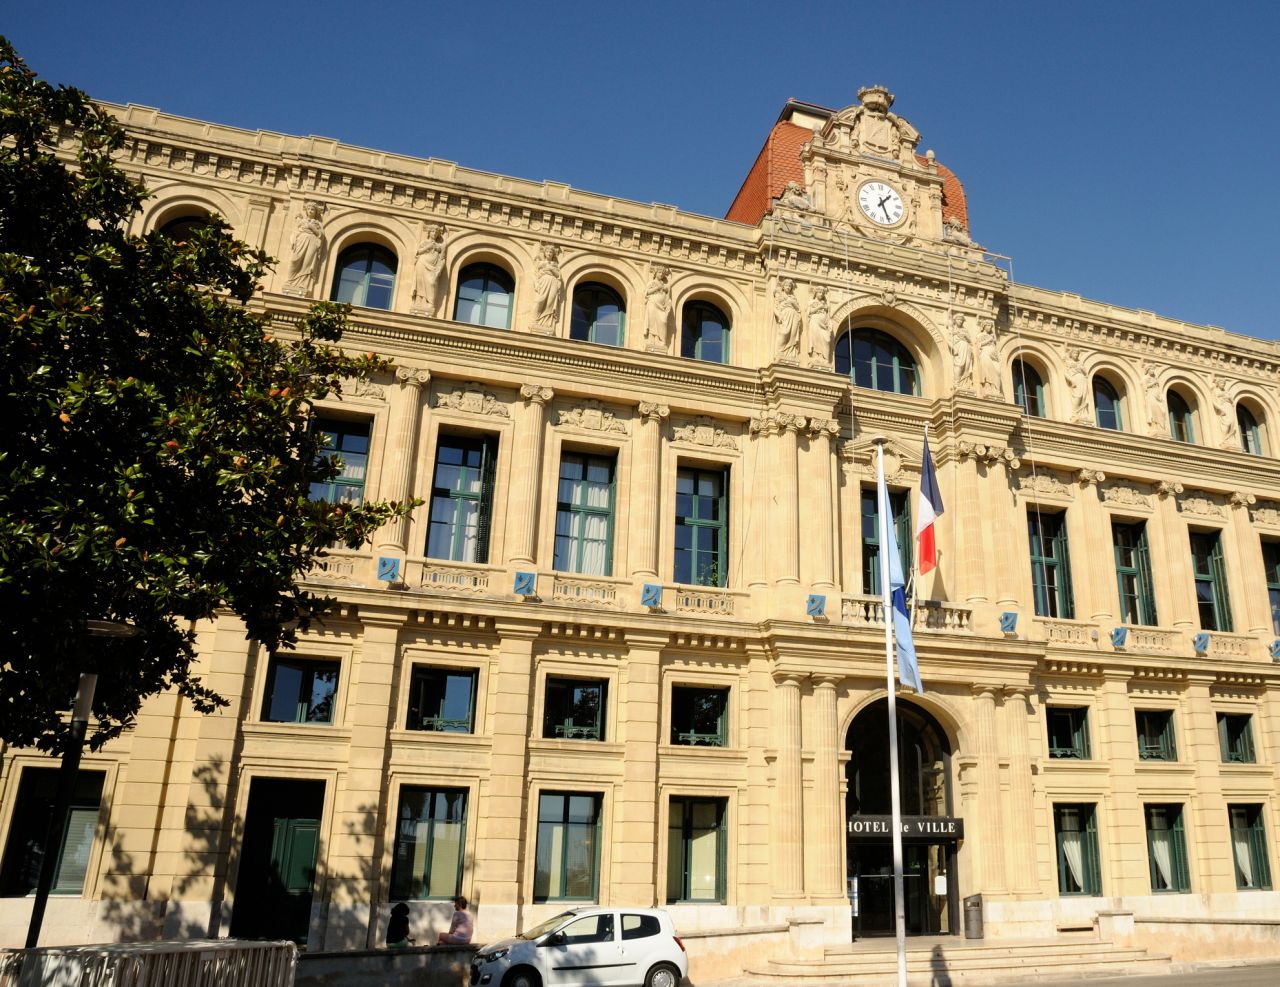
point(928, 511)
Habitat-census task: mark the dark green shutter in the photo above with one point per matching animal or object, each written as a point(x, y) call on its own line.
point(1258, 850)
point(1221, 601)
point(1181, 876)
point(1092, 861)
point(1066, 600)
point(488, 473)
point(1147, 604)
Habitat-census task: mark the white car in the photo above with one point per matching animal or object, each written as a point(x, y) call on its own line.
point(587, 947)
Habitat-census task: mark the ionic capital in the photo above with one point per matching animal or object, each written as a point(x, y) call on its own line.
point(652, 411)
point(819, 427)
point(536, 393)
point(413, 376)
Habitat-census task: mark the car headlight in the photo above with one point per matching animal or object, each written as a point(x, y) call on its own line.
point(497, 954)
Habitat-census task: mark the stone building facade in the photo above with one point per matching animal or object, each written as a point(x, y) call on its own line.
point(630, 649)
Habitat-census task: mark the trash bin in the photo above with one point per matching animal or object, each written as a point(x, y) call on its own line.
point(973, 917)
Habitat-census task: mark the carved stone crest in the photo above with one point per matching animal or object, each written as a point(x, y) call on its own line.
point(704, 431)
point(473, 399)
point(1201, 505)
point(1267, 514)
point(1124, 495)
point(591, 414)
point(363, 387)
point(1044, 483)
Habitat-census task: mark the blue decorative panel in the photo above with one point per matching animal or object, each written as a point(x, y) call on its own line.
point(815, 606)
point(1008, 622)
point(651, 595)
point(388, 568)
point(1119, 636)
point(1275, 649)
point(1201, 643)
point(526, 584)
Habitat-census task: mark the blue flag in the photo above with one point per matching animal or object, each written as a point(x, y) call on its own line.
point(894, 590)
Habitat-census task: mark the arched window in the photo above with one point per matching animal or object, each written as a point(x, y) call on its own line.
point(1181, 422)
point(365, 275)
point(1028, 389)
point(1250, 433)
point(876, 360)
point(704, 333)
point(484, 296)
point(182, 227)
point(1106, 405)
point(599, 315)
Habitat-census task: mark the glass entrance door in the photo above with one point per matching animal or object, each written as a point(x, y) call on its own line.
point(924, 870)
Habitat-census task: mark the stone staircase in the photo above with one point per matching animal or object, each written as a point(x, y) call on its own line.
point(944, 961)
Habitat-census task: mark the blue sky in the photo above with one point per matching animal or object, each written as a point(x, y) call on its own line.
point(1122, 150)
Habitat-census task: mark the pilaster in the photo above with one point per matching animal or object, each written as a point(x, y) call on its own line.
point(1020, 812)
point(526, 472)
point(646, 489)
point(822, 534)
point(990, 804)
point(788, 819)
point(826, 810)
point(402, 443)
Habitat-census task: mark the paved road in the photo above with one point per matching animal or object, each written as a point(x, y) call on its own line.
point(1237, 976)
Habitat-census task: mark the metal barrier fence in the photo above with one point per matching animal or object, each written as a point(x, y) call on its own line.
point(199, 963)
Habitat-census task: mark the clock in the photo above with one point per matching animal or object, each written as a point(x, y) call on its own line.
point(880, 203)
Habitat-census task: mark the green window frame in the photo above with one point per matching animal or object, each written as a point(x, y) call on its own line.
point(567, 859)
point(585, 514)
point(574, 709)
point(1249, 847)
point(442, 700)
point(1155, 735)
point(699, 716)
point(365, 275)
point(1167, 848)
point(1210, 571)
point(1075, 830)
point(1235, 738)
point(431, 839)
point(300, 690)
point(900, 505)
point(702, 527)
point(1107, 412)
point(1271, 568)
point(697, 850)
point(1068, 732)
point(1050, 564)
point(1028, 389)
point(1133, 573)
point(598, 315)
point(1250, 432)
point(1182, 421)
point(348, 441)
point(704, 333)
point(29, 832)
point(485, 296)
point(461, 516)
point(875, 360)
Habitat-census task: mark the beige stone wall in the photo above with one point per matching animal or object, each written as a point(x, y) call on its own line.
point(797, 442)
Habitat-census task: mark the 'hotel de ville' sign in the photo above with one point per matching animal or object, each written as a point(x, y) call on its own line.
point(918, 828)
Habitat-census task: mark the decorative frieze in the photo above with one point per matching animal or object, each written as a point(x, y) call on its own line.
point(591, 415)
point(1201, 505)
point(474, 400)
point(1266, 514)
point(1125, 495)
point(704, 431)
point(1044, 483)
point(364, 387)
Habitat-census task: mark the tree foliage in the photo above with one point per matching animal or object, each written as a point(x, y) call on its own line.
point(155, 462)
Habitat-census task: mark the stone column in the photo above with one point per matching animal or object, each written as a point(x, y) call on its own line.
point(646, 497)
point(969, 528)
point(822, 432)
point(397, 458)
point(526, 472)
point(1254, 605)
point(1095, 581)
point(786, 534)
point(991, 816)
point(637, 813)
point(827, 812)
point(1124, 852)
point(850, 521)
point(1175, 552)
point(1021, 858)
point(1002, 512)
point(1205, 816)
point(788, 808)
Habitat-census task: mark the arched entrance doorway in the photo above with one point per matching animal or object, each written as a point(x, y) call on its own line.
point(930, 833)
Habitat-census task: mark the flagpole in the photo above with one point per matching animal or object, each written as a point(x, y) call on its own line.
point(899, 916)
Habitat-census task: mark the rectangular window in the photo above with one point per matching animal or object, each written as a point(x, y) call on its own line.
point(1211, 581)
point(574, 709)
point(899, 504)
point(462, 498)
point(1271, 565)
point(431, 831)
point(584, 515)
point(1076, 832)
point(1133, 573)
point(300, 690)
point(699, 716)
point(1155, 735)
point(442, 699)
point(696, 850)
point(1167, 848)
point(1249, 846)
point(29, 829)
point(1069, 731)
point(1235, 738)
point(349, 441)
point(1050, 564)
point(568, 855)
point(702, 527)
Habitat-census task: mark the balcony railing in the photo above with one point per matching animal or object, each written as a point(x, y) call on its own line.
point(703, 600)
point(447, 577)
point(862, 610)
point(584, 591)
point(1072, 633)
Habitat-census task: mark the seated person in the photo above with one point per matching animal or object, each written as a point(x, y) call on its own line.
point(398, 927)
point(461, 928)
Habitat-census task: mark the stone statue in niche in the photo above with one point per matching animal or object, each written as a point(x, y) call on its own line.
point(1225, 408)
point(989, 359)
point(793, 197)
point(428, 271)
point(305, 249)
point(961, 354)
point(1077, 388)
point(786, 313)
point(818, 184)
point(821, 335)
point(1157, 407)
point(657, 310)
point(548, 289)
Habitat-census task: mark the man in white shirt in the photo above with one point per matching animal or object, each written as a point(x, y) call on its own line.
point(461, 928)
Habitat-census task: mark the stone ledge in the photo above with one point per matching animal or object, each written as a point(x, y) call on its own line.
point(754, 930)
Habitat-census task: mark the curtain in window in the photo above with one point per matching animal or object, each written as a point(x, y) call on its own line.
point(1244, 859)
point(1162, 854)
point(595, 531)
point(1073, 851)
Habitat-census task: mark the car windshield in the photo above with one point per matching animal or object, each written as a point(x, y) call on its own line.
point(541, 930)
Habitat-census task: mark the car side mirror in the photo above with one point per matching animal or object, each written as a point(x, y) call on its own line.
point(555, 939)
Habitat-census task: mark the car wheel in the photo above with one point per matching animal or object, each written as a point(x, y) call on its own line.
point(663, 975)
point(522, 976)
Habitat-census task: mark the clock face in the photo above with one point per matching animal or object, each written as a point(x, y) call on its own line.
point(880, 203)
